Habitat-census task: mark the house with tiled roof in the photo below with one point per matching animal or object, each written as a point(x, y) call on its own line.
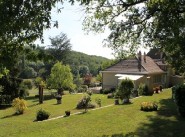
point(140, 69)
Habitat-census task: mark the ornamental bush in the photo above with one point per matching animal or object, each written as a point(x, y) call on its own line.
point(42, 115)
point(84, 103)
point(125, 89)
point(149, 106)
point(143, 90)
point(19, 105)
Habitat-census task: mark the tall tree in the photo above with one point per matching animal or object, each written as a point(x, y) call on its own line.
point(152, 23)
point(60, 47)
point(83, 70)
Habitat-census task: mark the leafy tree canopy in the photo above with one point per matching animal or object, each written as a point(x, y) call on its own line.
point(24, 20)
point(60, 77)
point(151, 23)
point(60, 47)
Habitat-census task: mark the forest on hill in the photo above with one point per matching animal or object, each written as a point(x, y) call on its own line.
point(80, 63)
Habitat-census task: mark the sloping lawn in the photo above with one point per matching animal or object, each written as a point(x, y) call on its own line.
point(110, 121)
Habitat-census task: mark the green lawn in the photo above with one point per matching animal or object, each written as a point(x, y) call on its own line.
point(114, 120)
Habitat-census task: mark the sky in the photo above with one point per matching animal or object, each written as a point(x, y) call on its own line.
point(70, 22)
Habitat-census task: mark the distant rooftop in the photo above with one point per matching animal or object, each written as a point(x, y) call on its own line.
point(134, 65)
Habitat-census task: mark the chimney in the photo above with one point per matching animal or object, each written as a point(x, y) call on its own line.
point(161, 55)
point(139, 55)
point(139, 60)
point(144, 57)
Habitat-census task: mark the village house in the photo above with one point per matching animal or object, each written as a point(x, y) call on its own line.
point(148, 69)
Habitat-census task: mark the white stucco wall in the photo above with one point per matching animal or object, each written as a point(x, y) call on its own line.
point(109, 80)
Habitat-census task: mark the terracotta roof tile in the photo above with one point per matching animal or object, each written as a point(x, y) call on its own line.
point(129, 65)
point(150, 65)
point(132, 66)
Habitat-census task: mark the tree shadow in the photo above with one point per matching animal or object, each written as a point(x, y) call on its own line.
point(36, 98)
point(33, 105)
point(167, 123)
point(9, 116)
point(160, 127)
point(32, 98)
point(3, 107)
point(56, 104)
point(167, 108)
point(130, 134)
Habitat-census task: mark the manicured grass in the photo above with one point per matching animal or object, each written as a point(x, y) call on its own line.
point(114, 120)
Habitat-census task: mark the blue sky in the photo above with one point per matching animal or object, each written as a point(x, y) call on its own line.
point(70, 22)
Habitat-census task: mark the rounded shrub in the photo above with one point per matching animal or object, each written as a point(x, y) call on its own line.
point(84, 103)
point(42, 115)
point(125, 89)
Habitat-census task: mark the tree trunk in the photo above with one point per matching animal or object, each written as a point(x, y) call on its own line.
point(40, 94)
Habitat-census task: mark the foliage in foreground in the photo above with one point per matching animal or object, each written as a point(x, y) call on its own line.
point(178, 93)
point(155, 23)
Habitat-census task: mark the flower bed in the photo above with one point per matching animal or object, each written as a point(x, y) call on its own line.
point(149, 106)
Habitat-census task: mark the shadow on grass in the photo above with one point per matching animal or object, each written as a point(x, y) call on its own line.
point(168, 108)
point(82, 113)
point(33, 105)
point(3, 107)
point(36, 99)
point(129, 103)
point(131, 134)
point(9, 116)
point(32, 98)
point(167, 123)
point(56, 104)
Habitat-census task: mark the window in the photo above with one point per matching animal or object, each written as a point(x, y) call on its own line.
point(157, 79)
